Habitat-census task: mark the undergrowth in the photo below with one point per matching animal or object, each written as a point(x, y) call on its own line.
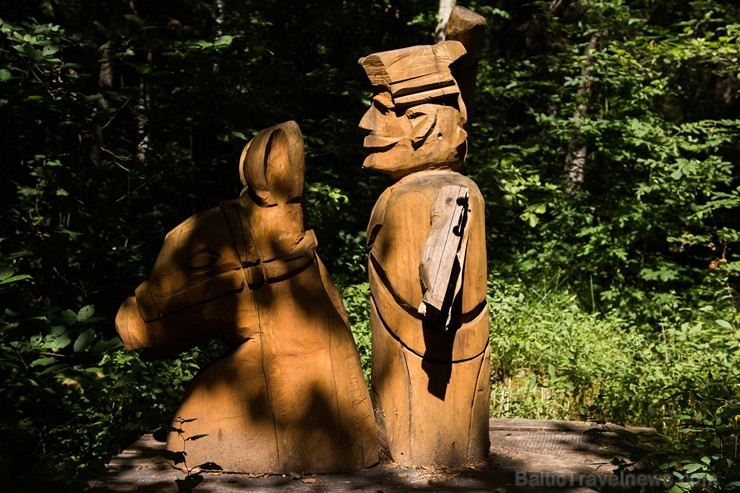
point(554, 360)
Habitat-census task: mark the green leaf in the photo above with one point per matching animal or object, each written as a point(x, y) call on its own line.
point(84, 340)
point(58, 339)
point(10, 279)
point(43, 361)
point(49, 50)
point(30, 52)
point(134, 18)
point(693, 467)
point(105, 346)
point(4, 74)
point(724, 324)
point(69, 317)
point(223, 41)
point(85, 313)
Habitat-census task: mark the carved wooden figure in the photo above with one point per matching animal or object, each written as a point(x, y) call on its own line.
point(290, 395)
point(427, 258)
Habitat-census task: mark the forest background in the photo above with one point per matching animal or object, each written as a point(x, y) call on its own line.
point(605, 138)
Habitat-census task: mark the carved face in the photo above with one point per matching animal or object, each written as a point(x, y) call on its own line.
point(401, 141)
point(188, 298)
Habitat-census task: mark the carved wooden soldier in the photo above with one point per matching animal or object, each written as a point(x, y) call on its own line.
point(290, 396)
point(427, 261)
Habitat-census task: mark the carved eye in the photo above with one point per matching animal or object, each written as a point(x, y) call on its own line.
point(203, 259)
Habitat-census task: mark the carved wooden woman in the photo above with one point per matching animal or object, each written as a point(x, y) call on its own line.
point(290, 396)
point(427, 263)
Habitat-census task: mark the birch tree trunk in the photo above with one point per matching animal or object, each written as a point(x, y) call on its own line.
point(142, 107)
point(445, 9)
point(219, 27)
point(575, 160)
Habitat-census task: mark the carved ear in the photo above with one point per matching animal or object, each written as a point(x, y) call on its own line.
point(243, 163)
point(285, 163)
point(272, 165)
point(252, 168)
point(422, 118)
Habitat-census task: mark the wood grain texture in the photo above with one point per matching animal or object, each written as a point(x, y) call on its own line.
point(290, 395)
point(440, 268)
point(430, 385)
point(416, 74)
point(468, 28)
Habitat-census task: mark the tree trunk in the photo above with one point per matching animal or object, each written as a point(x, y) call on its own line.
point(219, 27)
point(143, 105)
point(575, 160)
point(105, 81)
point(445, 9)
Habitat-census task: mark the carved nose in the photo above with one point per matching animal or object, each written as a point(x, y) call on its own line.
point(369, 119)
point(131, 326)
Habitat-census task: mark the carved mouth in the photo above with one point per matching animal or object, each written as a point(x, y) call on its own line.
point(378, 143)
point(131, 326)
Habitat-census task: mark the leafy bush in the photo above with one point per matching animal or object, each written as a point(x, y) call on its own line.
point(357, 303)
point(72, 398)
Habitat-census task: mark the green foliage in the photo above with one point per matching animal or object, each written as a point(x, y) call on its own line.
point(711, 463)
point(552, 359)
point(599, 162)
point(357, 303)
point(609, 159)
point(71, 396)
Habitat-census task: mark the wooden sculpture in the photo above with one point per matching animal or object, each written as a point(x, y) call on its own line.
point(290, 395)
point(427, 258)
